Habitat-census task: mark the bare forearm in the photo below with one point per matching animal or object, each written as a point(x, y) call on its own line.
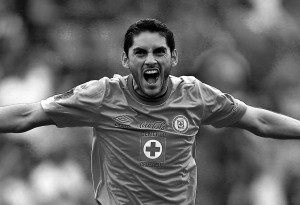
point(268, 124)
point(11, 117)
point(279, 126)
point(22, 117)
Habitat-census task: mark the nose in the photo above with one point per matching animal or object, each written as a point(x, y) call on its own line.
point(150, 60)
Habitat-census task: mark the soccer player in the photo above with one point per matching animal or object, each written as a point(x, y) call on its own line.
point(145, 123)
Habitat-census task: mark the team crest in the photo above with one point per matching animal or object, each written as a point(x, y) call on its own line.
point(180, 124)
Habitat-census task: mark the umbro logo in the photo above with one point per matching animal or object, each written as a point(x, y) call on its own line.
point(122, 121)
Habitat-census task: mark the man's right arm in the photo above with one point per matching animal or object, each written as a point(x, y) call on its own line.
point(23, 117)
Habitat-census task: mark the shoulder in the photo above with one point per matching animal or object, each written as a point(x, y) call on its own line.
point(193, 85)
point(190, 81)
point(187, 86)
point(90, 87)
point(101, 84)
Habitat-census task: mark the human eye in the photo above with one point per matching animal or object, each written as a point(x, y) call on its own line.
point(160, 51)
point(140, 52)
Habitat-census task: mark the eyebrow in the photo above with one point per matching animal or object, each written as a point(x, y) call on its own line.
point(138, 49)
point(156, 49)
point(162, 48)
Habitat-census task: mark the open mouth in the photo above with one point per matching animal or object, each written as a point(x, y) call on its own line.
point(151, 76)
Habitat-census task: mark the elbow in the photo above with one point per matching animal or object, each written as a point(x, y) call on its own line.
point(23, 126)
point(266, 130)
point(262, 132)
point(25, 122)
point(21, 129)
point(261, 129)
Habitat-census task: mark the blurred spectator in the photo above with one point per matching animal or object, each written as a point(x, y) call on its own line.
point(227, 159)
point(62, 183)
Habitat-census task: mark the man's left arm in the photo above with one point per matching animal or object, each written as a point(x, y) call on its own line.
point(268, 124)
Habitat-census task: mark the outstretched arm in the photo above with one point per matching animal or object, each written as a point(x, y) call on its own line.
point(268, 124)
point(22, 117)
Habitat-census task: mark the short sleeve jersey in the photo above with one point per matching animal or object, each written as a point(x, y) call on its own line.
point(142, 149)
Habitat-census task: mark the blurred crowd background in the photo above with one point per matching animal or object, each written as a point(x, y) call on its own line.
point(248, 48)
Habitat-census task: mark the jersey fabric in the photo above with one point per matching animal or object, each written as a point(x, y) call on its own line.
point(142, 149)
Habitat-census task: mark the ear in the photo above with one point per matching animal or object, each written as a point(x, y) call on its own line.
point(174, 57)
point(125, 60)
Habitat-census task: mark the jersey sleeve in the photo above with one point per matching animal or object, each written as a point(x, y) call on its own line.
point(220, 109)
point(77, 107)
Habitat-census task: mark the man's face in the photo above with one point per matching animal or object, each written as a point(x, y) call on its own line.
point(150, 61)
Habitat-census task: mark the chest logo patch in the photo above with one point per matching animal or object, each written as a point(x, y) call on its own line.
point(153, 151)
point(180, 124)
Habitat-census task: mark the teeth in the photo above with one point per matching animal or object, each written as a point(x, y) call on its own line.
point(151, 72)
point(151, 76)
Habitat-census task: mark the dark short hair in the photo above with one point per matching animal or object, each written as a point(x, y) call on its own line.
point(151, 25)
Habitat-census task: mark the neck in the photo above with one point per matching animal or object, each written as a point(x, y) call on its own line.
point(141, 93)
